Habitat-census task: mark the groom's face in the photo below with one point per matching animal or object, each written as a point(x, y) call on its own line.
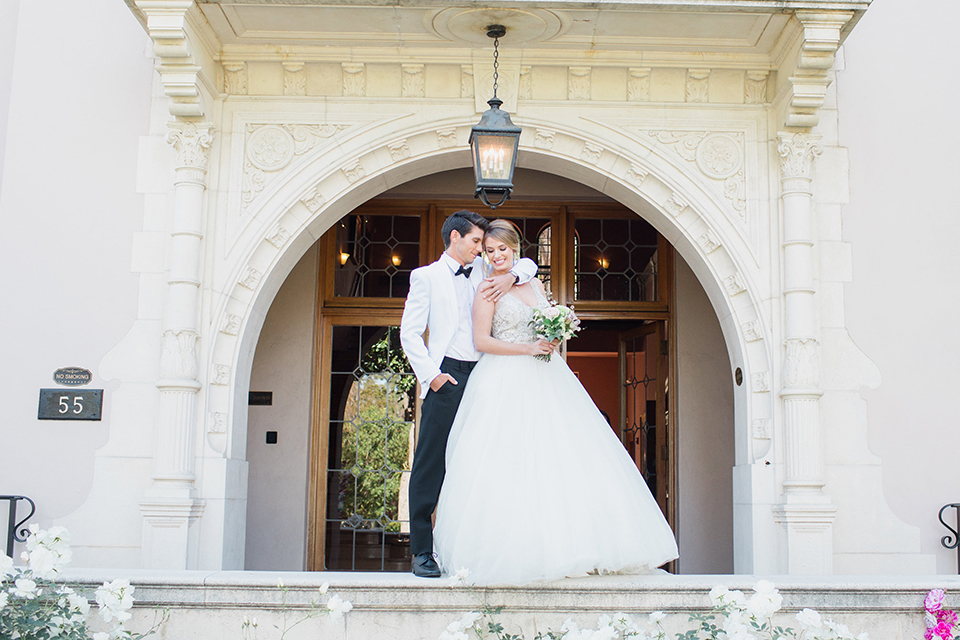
point(466, 247)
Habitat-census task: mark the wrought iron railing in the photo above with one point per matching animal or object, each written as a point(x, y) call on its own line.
point(954, 534)
point(14, 531)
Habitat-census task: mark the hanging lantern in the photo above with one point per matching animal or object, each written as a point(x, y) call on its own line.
point(494, 142)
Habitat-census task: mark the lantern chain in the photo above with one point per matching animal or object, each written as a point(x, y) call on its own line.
point(496, 64)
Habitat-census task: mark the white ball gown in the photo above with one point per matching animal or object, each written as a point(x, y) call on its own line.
point(537, 485)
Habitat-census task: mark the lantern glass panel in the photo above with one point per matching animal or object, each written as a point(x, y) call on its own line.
point(494, 156)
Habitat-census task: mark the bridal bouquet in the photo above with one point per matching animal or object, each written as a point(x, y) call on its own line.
point(556, 322)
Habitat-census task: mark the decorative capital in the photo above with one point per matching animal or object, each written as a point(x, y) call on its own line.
point(802, 363)
point(797, 153)
point(192, 142)
point(178, 358)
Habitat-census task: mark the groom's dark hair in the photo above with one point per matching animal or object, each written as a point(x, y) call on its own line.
point(463, 221)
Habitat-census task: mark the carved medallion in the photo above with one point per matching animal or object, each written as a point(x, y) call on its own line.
point(270, 148)
point(719, 156)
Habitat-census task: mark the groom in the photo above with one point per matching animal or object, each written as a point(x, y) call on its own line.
point(441, 300)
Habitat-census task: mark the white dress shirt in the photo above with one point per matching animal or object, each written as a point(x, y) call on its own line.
point(461, 347)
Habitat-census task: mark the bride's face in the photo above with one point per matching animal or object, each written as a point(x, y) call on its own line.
point(498, 254)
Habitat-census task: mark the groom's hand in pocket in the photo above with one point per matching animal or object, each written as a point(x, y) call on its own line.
point(440, 380)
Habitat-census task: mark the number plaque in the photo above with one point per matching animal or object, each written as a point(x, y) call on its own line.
point(69, 404)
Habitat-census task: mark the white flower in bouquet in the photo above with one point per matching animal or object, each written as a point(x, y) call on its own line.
point(556, 322)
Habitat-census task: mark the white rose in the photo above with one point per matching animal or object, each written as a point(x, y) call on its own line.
point(657, 616)
point(718, 594)
point(24, 588)
point(809, 619)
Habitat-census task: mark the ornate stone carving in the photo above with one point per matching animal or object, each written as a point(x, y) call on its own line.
point(683, 142)
point(708, 242)
point(761, 429)
point(591, 153)
point(399, 150)
point(735, 190)
point(235, 78)
point(525, 91)
point(218, 422)
point(801, 367)
point(253, 181)
point(278, 237)
point(192, 143)
point(270, 148)
point(178, 356)
point(675, 205)
point(544, 139)
point(179, 72)
point(294, 79)
point(806, 90)
point(231, 324)
point(751, 331)
point(221, 374)
point(734, 284)
point(354, 79)
point(698, 85)
point(411, 84)
point(755, 87)
point(466, 81)
point(760, 382)
point(719, 156)
point(251, 278)
point(636, 174)
point(578, 83)
point(313, 199)
point(446, 138)
point(638, 84)
point(797, 153)
point(354, 171)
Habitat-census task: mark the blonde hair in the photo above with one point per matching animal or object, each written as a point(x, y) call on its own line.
point(506, 232)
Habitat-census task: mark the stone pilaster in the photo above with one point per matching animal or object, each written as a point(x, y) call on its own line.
point(805, 511)
point(172, 505)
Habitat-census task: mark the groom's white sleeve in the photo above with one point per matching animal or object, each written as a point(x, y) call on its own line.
point(413, 324)
point(525, 269)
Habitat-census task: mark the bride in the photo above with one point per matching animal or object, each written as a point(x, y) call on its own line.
point(537, 485)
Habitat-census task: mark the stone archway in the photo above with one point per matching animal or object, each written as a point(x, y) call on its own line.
point(667, 193)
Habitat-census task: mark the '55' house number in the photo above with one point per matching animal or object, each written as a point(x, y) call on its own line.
point(64, 404)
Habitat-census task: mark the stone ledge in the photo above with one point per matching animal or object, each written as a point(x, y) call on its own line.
point(211, 605)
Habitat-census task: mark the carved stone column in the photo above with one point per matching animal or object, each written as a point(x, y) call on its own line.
point(172, 506)
point(805, 511)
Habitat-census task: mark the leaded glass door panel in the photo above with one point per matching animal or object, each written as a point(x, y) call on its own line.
point(643, 406)
point(372, 408)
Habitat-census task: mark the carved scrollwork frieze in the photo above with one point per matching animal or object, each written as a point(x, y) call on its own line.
point(718, 156)
point(270, 148)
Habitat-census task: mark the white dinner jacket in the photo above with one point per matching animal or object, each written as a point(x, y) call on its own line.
point(432, 305)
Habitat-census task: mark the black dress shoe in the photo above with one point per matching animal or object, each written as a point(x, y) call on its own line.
point(424, 566)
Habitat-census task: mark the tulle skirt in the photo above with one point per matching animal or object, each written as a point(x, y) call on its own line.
point(537, 484)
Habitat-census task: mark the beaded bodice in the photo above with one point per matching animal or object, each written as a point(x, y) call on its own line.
point(511, 319)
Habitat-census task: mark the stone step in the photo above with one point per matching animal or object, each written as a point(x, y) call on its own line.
point(212, 605)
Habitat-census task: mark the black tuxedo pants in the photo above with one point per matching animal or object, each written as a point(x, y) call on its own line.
point(437, 412)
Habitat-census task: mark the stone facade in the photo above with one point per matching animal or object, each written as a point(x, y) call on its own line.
point(248, 152)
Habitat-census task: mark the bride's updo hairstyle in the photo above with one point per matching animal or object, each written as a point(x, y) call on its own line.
point(505, 232)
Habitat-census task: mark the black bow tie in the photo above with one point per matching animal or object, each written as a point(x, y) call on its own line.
point(464, 271)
